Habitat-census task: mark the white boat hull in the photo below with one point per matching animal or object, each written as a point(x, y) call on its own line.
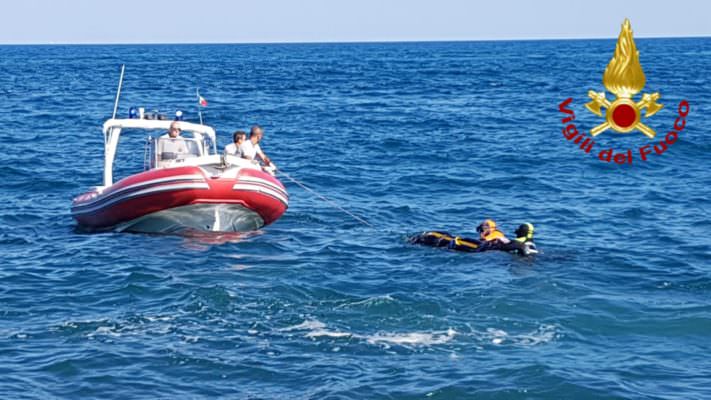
point(197, 217)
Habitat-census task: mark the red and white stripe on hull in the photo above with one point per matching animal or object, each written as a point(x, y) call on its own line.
point(158, 190)
point(257, 182)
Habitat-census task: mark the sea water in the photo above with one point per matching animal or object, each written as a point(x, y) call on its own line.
point(408, 136)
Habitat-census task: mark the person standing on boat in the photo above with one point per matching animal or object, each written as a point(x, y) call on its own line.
point(250, 148)
point(235, 148)
point(172, 144)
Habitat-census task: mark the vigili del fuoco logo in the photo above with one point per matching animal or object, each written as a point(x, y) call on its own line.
point(623, 78)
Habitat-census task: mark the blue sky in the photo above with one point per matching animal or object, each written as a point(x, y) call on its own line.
point(222, 21)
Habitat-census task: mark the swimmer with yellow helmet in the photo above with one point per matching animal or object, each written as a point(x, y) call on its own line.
point(489, 233)
point(490, 238)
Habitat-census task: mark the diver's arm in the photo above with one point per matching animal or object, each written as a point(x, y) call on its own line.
point(495, 244)
point(520, 248)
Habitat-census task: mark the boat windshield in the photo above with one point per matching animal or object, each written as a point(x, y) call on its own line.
point(177, 148)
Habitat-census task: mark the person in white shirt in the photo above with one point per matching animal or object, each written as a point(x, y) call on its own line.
point(250, 148)
point(235, 148)
point(172, 144)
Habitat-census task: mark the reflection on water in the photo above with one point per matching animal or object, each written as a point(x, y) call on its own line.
point(203, 240)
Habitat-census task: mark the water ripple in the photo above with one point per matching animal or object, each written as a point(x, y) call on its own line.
point(411, 136)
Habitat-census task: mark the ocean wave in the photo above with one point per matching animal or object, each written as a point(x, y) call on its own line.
point(410, 137)
point(315, 329)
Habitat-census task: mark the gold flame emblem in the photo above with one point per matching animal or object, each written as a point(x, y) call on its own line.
point(624, 77)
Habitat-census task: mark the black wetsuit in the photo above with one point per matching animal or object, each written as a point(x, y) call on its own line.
point(519, 246)
point(445, 239)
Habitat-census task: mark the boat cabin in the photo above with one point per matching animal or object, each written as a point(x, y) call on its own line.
point(195, 142)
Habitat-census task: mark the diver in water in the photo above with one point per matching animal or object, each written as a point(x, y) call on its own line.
point(490, 238)
point(490, 234)
point(523, 244)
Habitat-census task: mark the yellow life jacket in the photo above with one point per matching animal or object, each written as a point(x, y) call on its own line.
point(493, 235)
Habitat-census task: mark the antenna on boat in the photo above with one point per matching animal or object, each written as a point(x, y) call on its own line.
point(118, 92)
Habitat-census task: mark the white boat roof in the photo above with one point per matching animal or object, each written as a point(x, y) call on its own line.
point(157, 124)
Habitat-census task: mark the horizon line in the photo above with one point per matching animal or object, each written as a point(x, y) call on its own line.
point(344, 41)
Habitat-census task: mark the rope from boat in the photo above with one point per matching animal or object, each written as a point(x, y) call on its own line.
point(326, 199)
